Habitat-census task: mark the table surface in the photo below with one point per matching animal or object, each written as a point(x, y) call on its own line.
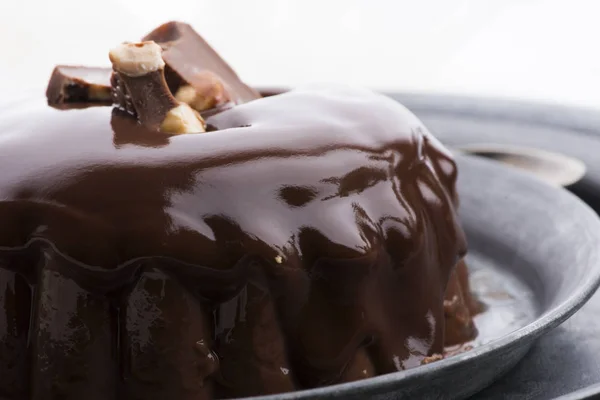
point(529, 49)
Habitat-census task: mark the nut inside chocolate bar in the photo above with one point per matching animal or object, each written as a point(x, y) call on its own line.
point(186, 54)
point(79, 84)
point(140, 85)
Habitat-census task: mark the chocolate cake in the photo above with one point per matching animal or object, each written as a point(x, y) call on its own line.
point(162, 249)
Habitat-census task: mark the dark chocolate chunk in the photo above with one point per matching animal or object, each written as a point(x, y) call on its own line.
point(120, 96)
point(139, 87)
point(186, 54)
point(76, 84)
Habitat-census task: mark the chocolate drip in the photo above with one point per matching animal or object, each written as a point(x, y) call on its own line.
point(165, 340)
point(15, 306)
point(473, 304)
point(459, 307)
point(74, 348)
point(360, 367)
point(251, 344)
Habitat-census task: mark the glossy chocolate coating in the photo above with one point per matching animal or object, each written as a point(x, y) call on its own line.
point(15, 306)
point(307, 239)
point(459, 308)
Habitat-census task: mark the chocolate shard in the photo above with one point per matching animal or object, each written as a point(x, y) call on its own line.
point(139, 87)
point(78, 84)
point(186, 54)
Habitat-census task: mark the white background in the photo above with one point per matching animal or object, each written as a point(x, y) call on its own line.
point(534, 49)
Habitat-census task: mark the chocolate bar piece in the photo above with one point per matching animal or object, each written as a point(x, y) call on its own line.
point(186, 54)
point(77, 84)
point(206, 92)
point(139, 87)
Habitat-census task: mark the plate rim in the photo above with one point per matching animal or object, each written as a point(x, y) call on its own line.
point(589, 392)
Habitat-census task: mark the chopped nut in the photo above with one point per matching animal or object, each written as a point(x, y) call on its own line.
point(139, 87)
point(430, 359)
point(186, 94)
point(279, 259)
point(137, 59)
point(182, 119)
point(204, 92)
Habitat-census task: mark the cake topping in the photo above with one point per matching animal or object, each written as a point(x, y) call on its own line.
point(77, 84)
point(193, 72)
point(137, 59)
point(186, 54)
point(140, 88)
point(205, 91)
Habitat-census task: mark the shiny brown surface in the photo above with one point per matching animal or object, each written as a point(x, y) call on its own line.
point(459, 326)
point(15, 306)
point(307, 240)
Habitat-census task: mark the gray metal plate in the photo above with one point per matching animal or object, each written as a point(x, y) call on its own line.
point(568, 358)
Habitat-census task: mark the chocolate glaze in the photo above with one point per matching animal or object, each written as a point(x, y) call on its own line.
point(307, 240)
point(459, 308)
point(15, 306)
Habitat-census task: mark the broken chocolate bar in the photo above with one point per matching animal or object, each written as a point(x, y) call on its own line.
point(120, 97)
point(186, 54)
point(205, 91)
point(140, 89)
point(77, 84)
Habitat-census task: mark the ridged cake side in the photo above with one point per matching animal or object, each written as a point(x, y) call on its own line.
point(307, 239)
